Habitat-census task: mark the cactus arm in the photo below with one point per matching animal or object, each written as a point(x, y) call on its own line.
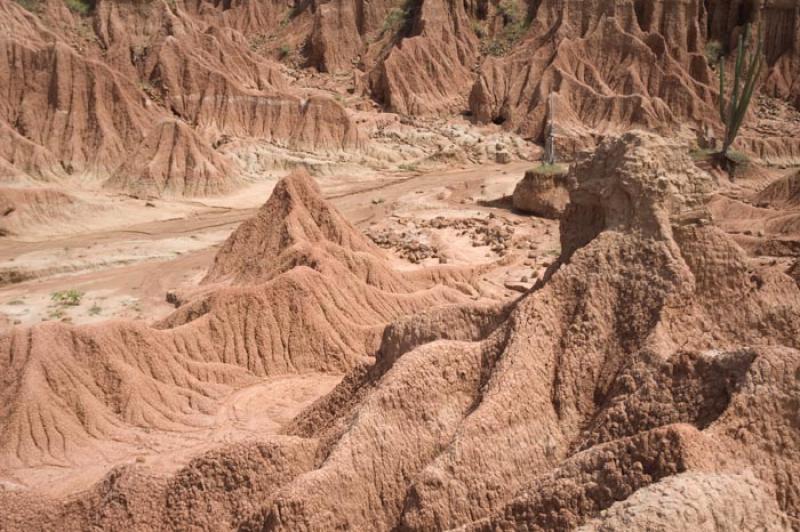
point(722, 90)
point(737, 79)
point(752, 77)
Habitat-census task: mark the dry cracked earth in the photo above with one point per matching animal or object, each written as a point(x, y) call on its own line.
point(296, 265)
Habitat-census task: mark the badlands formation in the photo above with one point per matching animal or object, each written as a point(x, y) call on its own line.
point(295, 265)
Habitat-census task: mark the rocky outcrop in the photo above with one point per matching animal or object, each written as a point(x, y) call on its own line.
point(574, 403)
point(124, 66)
point(312, 295)
point(542, 192)
point(613, 65)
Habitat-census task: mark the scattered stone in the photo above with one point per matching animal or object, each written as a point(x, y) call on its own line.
point(517, 286)
point(173, 299)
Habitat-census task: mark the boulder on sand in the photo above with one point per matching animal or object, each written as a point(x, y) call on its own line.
point(542, 192)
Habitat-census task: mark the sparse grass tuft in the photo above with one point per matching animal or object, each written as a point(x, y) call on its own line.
point(69, 297)
point(479, 29)
point(284, 51)
point(713, 52)
point(738, 157)
point(701, 154)
point(56, 314)
point(95, 310)
point(494, 48)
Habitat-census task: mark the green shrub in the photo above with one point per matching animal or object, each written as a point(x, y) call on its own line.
point(515, 24)
point(69, 297)
point(733, 109)
point(80, 7)
point(394, 20)
point(713, 51)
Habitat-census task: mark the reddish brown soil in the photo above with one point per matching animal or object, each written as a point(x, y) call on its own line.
point(261, 267)
point(652, 361)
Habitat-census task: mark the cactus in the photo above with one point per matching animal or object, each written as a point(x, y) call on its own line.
point(732, 113)
point(549, 141)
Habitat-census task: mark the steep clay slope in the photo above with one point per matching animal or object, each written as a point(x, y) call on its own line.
point(294, 228)
point(22, 207)
point(428, 69)
point(649, 379)
point(784, 192)
point(174, 160)
point(79, 112)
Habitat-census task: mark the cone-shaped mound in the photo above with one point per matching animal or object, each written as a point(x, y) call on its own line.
point(296, 219)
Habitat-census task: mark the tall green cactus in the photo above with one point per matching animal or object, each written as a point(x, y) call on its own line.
point(732, 114)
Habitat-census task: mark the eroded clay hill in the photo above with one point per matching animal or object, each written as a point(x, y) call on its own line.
point(317, 299)
point(650, 379)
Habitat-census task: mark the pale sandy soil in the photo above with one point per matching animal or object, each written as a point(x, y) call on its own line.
point(125, 267)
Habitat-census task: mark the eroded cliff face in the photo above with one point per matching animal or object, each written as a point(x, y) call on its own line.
point(613, 65)
point(84, 90)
